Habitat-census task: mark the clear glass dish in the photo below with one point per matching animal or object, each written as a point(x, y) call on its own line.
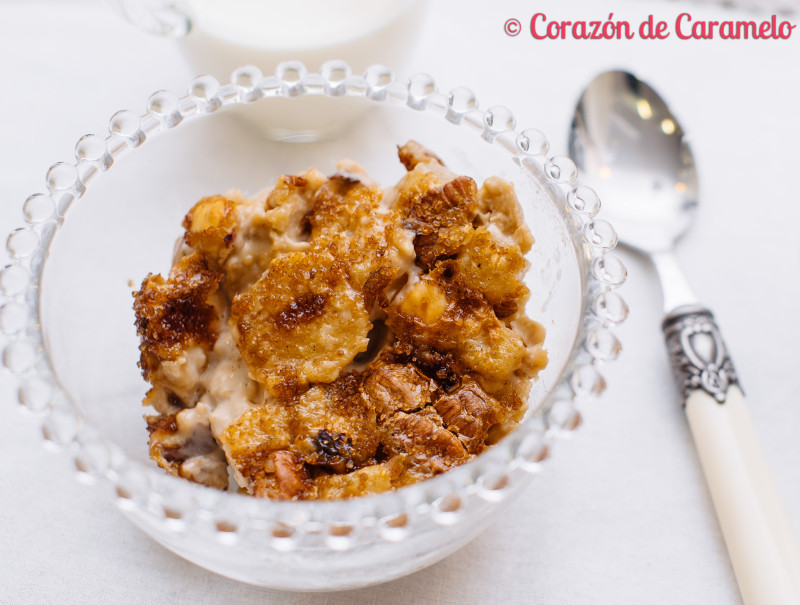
point(67, 309)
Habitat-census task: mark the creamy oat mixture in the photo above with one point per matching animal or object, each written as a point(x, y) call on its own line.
point(330, 339)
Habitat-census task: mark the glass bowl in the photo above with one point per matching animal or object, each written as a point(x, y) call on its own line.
point(95, 232)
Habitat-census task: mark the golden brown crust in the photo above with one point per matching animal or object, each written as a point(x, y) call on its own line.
point(442, 313)
point(498, 207)
point(173, 314)
point(287, 207)
point(372, 479)
point(300, 323)
point(441, 219)
point(379, 336)
point(340, 205)
point(494, 269)
point(412, 153)
point(211, 227)
point(336, 426)
point(328, 428)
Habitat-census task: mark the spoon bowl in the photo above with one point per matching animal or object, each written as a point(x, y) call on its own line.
point(632, 149)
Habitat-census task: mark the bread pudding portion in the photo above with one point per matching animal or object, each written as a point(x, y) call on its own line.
point(329, 338)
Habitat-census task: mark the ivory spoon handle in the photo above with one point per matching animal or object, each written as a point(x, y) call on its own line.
point(759, 537)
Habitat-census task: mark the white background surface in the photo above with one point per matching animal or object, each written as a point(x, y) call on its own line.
point(621, 514)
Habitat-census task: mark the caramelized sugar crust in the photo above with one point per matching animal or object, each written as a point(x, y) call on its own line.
point(174, 314)
point(330, 339)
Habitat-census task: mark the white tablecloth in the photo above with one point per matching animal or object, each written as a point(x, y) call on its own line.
point(622, 514)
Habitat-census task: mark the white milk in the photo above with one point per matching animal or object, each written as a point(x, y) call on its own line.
point(227, 35)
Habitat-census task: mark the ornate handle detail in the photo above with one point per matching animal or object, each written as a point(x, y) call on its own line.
point(698, 355)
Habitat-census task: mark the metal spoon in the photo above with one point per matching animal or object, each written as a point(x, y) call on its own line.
point(631, 149)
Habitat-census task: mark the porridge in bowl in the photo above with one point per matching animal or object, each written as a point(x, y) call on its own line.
point(329, 339)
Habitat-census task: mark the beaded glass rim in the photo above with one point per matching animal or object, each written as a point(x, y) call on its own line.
point(147, 490)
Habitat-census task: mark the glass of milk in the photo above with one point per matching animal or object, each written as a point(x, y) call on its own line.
point(217, 37)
